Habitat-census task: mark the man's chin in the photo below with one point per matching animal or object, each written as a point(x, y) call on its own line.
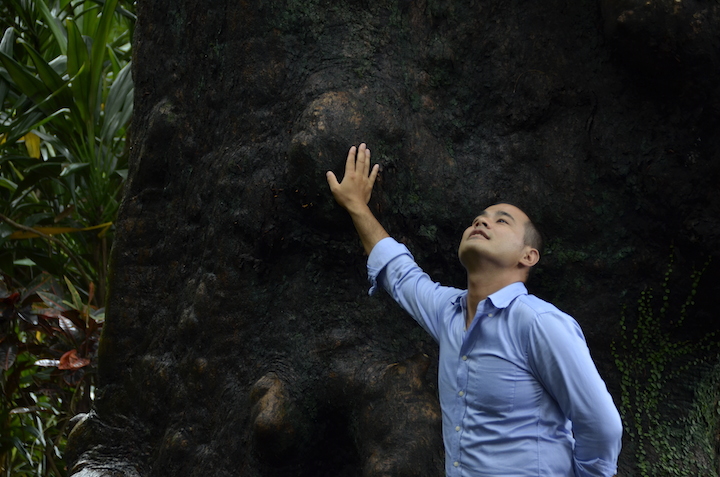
point(468, 255)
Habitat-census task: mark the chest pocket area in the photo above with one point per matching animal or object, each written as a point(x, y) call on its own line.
point(491, 384)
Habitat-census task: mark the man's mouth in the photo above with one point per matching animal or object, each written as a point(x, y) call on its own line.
point(478, 232)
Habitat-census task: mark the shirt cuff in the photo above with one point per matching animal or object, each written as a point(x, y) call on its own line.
point(381, 254)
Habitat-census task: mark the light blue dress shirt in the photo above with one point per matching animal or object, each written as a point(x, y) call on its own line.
point(519, 392)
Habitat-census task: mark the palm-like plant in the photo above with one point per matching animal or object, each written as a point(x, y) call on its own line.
point(66, 95)
point(66, 91)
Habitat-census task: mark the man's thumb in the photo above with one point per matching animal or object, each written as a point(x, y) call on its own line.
point(332, 180)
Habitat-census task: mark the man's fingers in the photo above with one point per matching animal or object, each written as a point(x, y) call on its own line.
point(358, 160)
point(363, 160)
point(360, 164)
point(374, 174)
point(350, 162)
point(366, 163)
point(332, 180)
point(361, 151)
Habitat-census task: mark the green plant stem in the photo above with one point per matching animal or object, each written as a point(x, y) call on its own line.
point(49, 239)
point(51, 459)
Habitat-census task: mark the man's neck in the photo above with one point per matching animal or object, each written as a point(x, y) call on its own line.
point(483, 284)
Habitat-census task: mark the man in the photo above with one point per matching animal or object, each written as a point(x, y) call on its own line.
point(519, 392)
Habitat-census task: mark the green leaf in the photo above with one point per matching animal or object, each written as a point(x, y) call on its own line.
point(4, 89)
point(43, 96)
point(77, 66)
point(8, 184)
point(55, 26)
point(30, 86)
point(76, 301)
point(70, 169)
point(21, 449)
point(98, 315)
point(98, 51)
point(28, 121)
point(119, 105)
point(25, 262)
point(43, 282)
point(6, 47)
point(52, 300)
point(114, 61)
point(50, 167)
point(50, 78)
point(6, 44)
point(5, 231)
point(34, 432)
point(36, 175)
point(59, 64)
point(77, 53)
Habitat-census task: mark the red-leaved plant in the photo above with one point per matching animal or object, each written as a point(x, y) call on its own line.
point(48, 346)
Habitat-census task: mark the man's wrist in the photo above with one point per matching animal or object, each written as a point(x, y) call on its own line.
point(358, 210)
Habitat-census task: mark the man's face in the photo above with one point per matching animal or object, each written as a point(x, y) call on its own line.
point(497, 235)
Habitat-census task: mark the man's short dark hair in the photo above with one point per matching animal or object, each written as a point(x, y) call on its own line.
point(532, 236)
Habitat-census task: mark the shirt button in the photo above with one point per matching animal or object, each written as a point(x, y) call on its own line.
point(490, 315)
point(456, 464)
point(457, 428)
point(464, 358)
point(461, 393)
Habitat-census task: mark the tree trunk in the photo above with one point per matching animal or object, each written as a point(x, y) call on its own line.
point(240, 339)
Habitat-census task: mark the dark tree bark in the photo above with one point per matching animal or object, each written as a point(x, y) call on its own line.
point(240, 339)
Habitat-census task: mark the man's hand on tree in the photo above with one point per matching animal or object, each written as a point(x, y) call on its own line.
point(354, 192)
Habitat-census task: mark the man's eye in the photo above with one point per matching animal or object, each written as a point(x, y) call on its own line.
point(503, 221)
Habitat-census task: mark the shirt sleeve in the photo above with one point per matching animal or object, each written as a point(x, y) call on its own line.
point(392, 266)
point(381, 254)
point(560, 358)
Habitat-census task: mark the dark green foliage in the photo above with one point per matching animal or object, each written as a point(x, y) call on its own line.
point(66, 94)
point(651, 358)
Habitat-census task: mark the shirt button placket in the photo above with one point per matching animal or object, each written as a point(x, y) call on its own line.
point(462, 370)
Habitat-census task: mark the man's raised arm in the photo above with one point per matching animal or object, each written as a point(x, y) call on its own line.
point(354, 192)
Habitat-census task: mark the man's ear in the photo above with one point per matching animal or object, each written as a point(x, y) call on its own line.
point(530, 257)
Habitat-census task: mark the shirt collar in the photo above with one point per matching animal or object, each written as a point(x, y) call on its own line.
point(503, 297)
point(500, 299)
